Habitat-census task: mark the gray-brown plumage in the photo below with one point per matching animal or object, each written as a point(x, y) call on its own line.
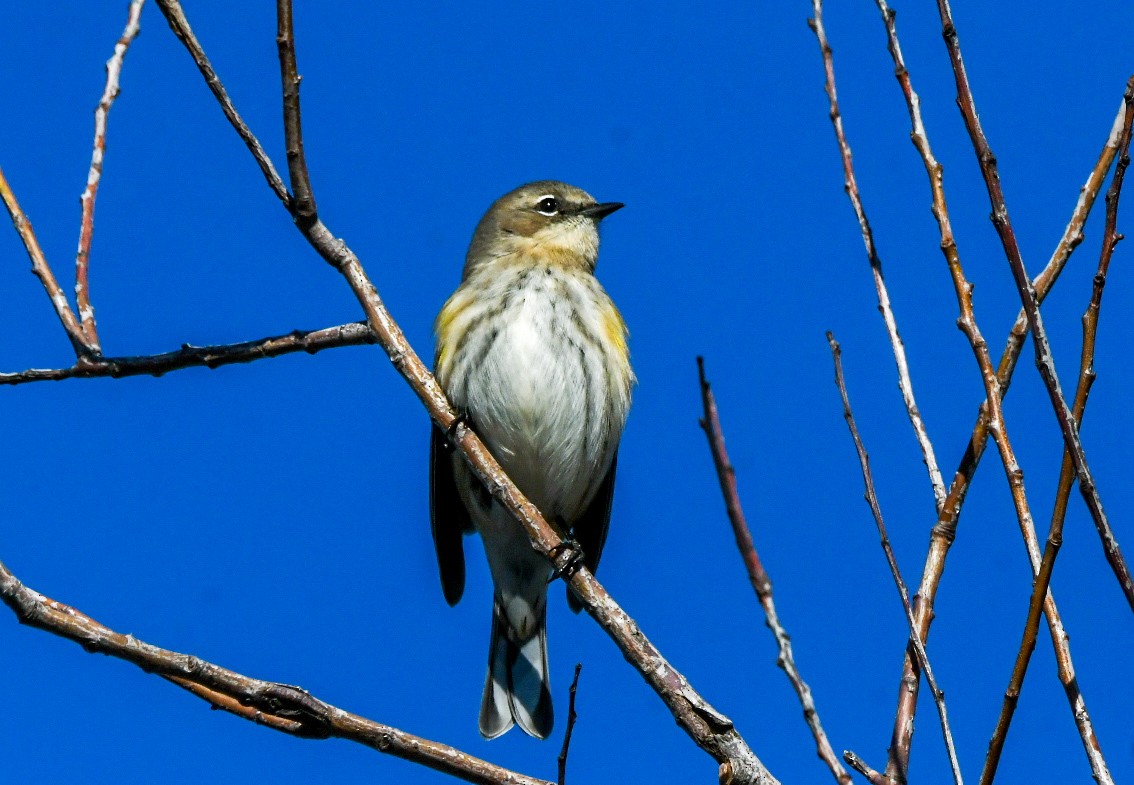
point(531, 349)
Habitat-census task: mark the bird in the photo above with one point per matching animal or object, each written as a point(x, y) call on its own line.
point(533, 355)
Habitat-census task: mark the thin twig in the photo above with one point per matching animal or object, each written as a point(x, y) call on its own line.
point(905, 384)
point(1044, 282)
point(1067, 470)
point(42, 271)
point(873, 776)
point(876, 510)
point(303, 204)
point(94, 175)
point(278, 706)
point(944, 530)
point(709, 729)
point(758, 577)
point(1045, 362)
point(171, 9)
point(571, 717)
point(310, 341)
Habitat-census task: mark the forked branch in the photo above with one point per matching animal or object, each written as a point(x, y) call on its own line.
point(277, 706)
point(1045, 362)
point(944, 530)
point(1067, 470)
point(712, 731)
point(42, 271)
point(310, 341)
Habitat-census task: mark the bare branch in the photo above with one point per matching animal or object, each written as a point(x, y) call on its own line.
point(944, 530)
point(876, 510)
point(180, 26)
point(1045, 362)
point(711, 730)
point(94, 176)
point(571, 717)
point(310, 341)
point(42, 271)
point(1067, 471)
point(905, 384)
point(1044, 282)
point(278, 706)
point(859, 765)
point(304, 202)
point(758, 577)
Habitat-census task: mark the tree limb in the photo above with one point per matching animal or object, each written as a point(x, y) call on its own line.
point(278, 706)
point(1067, 470)
point(944, 531)
point(709, 729)
point(188, 356)
point(1045, 362)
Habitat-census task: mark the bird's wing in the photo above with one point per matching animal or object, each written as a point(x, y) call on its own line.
point(591, 528)
point(448, 518)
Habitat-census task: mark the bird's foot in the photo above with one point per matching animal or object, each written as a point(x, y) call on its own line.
point(462, 418)
point(567, 557)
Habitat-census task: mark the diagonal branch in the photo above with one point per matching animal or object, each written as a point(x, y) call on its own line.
point(94, 176)
point(180, 27)
point(711, 731)
point(1045, 362)
point(310, 341)
point(851, 188)
point(277, 706)
point(1067, 470)
point(944, 530)
point(42, 271)
point(758, 577)
point(876, 510)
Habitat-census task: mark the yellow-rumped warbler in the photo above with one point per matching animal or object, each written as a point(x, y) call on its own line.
point(533, 352)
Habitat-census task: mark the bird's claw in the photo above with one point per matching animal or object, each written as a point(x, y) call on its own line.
point(462, 418)
point(567, 557)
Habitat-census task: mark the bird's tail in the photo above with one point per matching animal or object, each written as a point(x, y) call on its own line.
point(517, 688)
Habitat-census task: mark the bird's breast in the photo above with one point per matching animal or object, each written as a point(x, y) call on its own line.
point(540, 365)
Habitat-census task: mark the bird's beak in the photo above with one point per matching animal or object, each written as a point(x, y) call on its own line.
point(600, 211)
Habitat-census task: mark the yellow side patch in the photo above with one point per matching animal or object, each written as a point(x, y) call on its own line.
point(614, 329)
point(449, 330)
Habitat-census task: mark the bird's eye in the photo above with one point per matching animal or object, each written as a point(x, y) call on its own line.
point(547, 205)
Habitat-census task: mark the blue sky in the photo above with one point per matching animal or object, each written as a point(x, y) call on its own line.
point(272, 518)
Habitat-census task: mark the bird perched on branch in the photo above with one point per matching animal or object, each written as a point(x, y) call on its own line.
point(532, 353)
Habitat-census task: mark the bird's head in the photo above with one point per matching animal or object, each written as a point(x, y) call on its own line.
point(549, 220)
